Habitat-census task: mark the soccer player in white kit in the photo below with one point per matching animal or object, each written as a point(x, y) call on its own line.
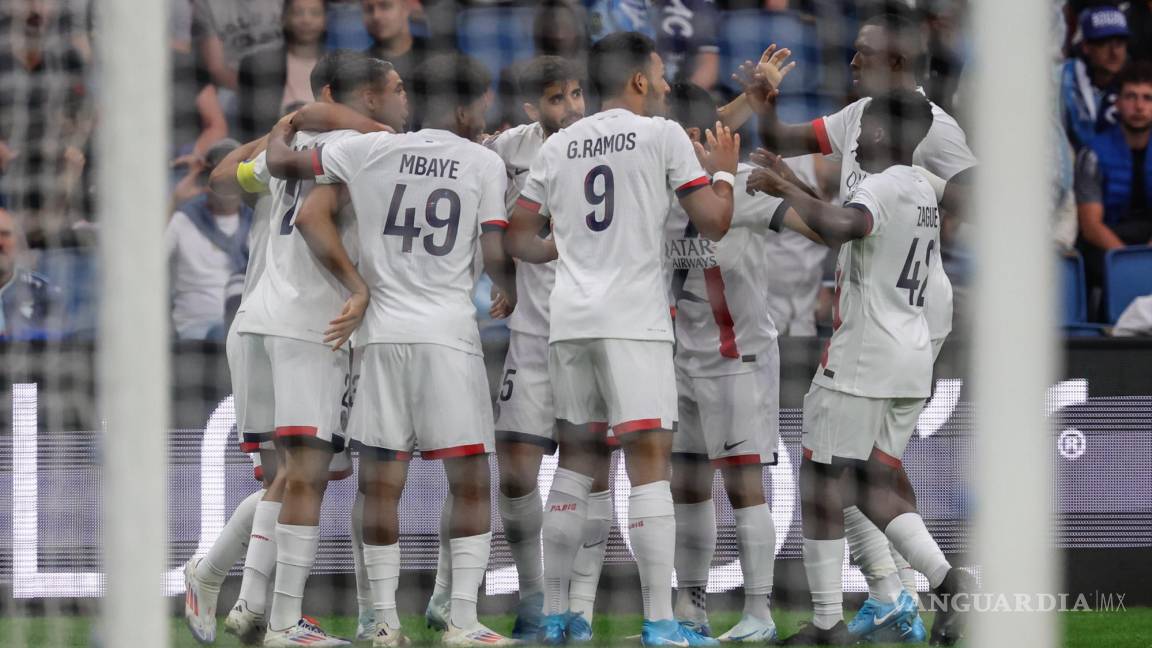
point(423, 200)
point(287, 317)
point(605, 182)
point(553, 97)
point(252, 524)
point(879, 360)
point(728, 381)
point(886, 48)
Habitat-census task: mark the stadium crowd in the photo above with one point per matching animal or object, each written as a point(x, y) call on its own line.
point(238, 66)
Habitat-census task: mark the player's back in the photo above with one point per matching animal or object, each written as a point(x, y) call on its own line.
point(881, 346)
point(295, 296)
point(607, 182)
point(420, 199)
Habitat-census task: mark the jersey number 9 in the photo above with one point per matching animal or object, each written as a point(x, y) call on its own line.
point(605, 197)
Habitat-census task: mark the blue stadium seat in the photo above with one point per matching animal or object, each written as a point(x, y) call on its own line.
point(1127, 275)
point(346, 27)
point(496, 35)
point(1074, 297)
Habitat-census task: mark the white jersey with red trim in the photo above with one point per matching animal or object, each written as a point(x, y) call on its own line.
point(518, 147)
point(295, 297)
point(422, 199)
point(258, 232)
point(944, 152)
point(606, 183)
point(722, 321)
point(881, 346)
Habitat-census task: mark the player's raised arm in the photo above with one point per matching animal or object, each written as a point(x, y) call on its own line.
point(833, 224)
point(710, 208)
point(283, 162)
point(317, 224)
point(771, 70)
point(228, 177)
point(322, 116)
point(761, 88)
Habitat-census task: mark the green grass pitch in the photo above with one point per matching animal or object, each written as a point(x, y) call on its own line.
point(1128, 629)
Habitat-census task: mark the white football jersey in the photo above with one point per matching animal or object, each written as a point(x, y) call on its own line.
point(881, 346)
point(296, 297)
point(719, 288)
point(607, 181)
point(518, 147)
point(420, 200)
point(944, 152)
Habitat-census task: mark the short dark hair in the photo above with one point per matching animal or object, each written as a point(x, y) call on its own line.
point(691, 106)
point(1134, 73)
point(353, 73)
point(904, 35)
point(324, 72)
point(445, 82)
point(542, 72)
point(616, 58)
point(907, 114)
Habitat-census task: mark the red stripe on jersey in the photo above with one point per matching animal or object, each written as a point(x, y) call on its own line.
point(737, 460)
point(715, 283)
point(246, 446)
point(598, 427)
point(295, 430)
point(317, 162)
point(867, 215)
point(821, 130)
point(258, 473)
point(692, 185)
point(455, 451)
point(638, 425)
point(808, 454)
point(337, 475)
point(886, 459)
point(529, 204)
point(502, 224)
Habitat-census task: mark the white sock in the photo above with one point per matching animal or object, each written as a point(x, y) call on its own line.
point(652, 529)
point(469, 560)
point(523, 517)
point(231, 544)
point(695, 546)
point(869, 548)
point(260, 563)
point(907, 574)
point(562, 532)
point(382, 563)
point(442, 590)
point(590, 556)
point(756, 540)
point(356, 531)
point(823, 560)
point(911, 538)
point(295, 552)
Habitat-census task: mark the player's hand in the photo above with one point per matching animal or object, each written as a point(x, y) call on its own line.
point(774, 66)
point(340, 329)
point(723, 151)
point(502, 304)
point(767, 181)
point(769, 160)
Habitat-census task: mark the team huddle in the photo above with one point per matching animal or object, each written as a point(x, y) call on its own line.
point(627, 248)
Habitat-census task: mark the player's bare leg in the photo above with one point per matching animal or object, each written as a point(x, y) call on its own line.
point(470, 541)
point(297, 539)
point(889, 501)
point(382, 483)
point(522, 514)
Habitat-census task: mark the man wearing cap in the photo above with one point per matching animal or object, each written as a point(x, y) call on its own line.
point(207, 241)
point(1087, 84)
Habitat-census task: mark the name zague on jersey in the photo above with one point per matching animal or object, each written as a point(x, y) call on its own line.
point(598, 146)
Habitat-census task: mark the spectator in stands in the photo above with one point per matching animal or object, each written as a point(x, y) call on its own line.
point(45, 116)
point(207, 241)
point(225, 31)
point(387, 22)
point(559, 28)
point(197, 119)
point(1114, 176)
point(1088, 83)
point(30, 307)
point(275, 77)
point(687, 33)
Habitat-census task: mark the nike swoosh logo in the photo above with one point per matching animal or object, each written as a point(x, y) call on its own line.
point(594, 544)
point(729, 446)
point(741, 637)
point(881, 620)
